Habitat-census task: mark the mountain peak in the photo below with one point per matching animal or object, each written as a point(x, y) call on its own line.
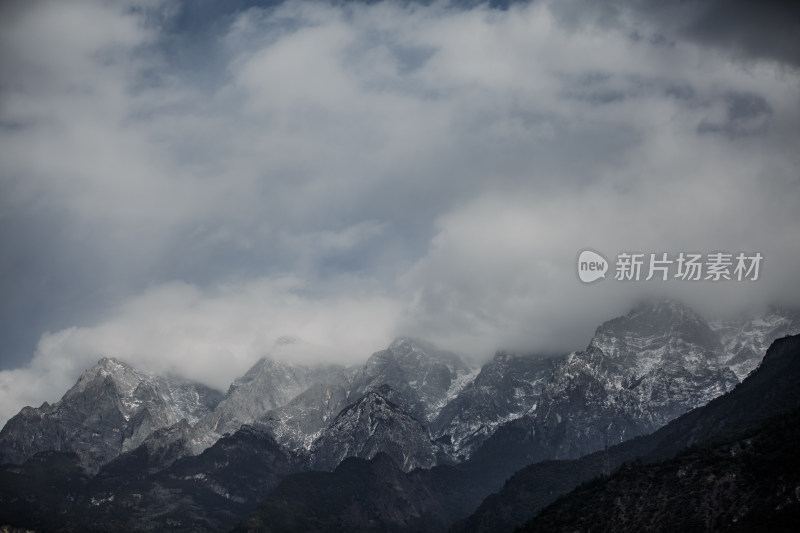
point(111, 365)
point(372, 425)
point(664, 308)
point(658, 319)
point(411, 345)
point(124, 376)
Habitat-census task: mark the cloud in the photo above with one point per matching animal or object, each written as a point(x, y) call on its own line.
point(208, 335)
point(744, 31)
point(182, 193)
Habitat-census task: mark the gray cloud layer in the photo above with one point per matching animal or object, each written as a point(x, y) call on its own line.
point(182, 192)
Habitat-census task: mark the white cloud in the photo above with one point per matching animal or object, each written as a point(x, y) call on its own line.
point(211, 336)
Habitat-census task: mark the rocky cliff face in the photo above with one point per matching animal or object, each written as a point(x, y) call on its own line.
point(267, 385)
point(426, 376)
point(505, 389)
point(299, 423)
point(374, 425)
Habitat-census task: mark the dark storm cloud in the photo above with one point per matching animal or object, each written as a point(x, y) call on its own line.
point(183, 184)
point(748, 30)
point(760, 30)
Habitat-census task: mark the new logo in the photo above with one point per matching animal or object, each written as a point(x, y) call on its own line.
point(591, 266)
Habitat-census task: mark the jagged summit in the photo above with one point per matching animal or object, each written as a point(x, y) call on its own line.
point(426, 376)
point(659, 318)
point(504, 389)
point(124, 376)
point(267, 385)
point(372, 425)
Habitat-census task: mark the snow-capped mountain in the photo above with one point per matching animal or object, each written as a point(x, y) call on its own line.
point(267, 385)
point(639, 372)
point(421, 380)
point(426, 376)
point(112, 409)
point(745, 338)
point(649, 366)
point(299, 423)
point(504, 389)
point(373, 425)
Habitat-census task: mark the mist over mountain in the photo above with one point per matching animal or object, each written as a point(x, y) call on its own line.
point(135, 447)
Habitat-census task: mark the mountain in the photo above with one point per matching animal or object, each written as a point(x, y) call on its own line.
point(267, 385)
point(371, 426)
point(360, 495)
point(421, 379)
point(112, 408)
point(168, 454)
point(212, 491)
point(639, 372)
point(751, 483)
point(426, 376)
point(505, 389)
point(158, 451)
point(300, 422)
point(40, 491)
point(453, 492)
point(769, 391)
point(745, 338)
point(207, 492)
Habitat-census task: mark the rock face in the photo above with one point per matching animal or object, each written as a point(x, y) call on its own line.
point(425, 376)
point(421, 380)
point(639, 372)
point(505, 389)
point(267, 385)
point(745, 339)
point(299, 423)
point(768, 391)
point(111, 409)
point(374, 425)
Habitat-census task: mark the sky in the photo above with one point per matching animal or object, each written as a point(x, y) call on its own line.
point(189, 186)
